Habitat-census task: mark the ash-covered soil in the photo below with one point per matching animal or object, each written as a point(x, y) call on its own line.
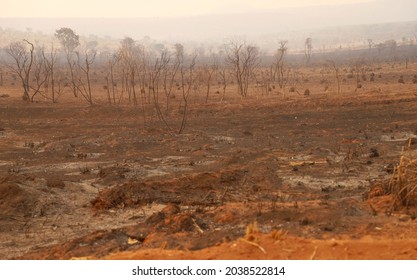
point(99, 182)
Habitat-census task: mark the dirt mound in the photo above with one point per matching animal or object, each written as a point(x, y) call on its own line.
point(292, 248)
point(16, 201)
point(208, 188)
point(100, 243)
point(172, 220)
point(111, 174)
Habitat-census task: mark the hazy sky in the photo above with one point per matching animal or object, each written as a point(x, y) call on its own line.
point(147, 8)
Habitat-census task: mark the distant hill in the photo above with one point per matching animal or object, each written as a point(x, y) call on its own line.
point(329, 26)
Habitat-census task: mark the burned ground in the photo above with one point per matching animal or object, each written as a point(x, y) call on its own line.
point(97, 182)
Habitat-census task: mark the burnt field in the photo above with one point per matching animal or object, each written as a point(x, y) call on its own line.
point(280, 175)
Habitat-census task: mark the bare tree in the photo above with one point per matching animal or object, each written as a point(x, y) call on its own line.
point(243, 59)
point(358, 68)
point(84, 64)
point(69, 41)
point(134, 65)
point(406, 60)
point(126, 58)
point(224, 76)
point(209, 70)
point(50, 63)
point(23, 61)
point(308, 49)
point(110, 79)
point(160, 64)
point(169, 74)
point(279, 67)
point(188, 76)
point(264, 83)
point(40, 73)
point(337, 74)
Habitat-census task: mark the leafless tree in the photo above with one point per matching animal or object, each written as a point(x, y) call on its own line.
point(187, 76)
point(209, 70)
point(143, 64)
point(55, 83)
point(337, 74)
point(155, 74)
point(22, 63)
point(134, 64)
point(41, 73)
point(169, 74)
point(280, 71)
point(406, 60)
point(110, 79)
point(308, 49)
point(358, 68)
point(224, 74)
point(265, 80)
point(242, 59)
point(128, 59)
point(84, 65)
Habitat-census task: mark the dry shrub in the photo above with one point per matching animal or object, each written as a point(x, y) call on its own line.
point(251, 237)
point(403, 183)
point(252, 230)
point(279, 234)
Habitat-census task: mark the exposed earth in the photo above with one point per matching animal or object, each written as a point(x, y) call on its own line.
point(283, 176)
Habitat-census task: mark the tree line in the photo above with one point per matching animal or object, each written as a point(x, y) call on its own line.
point(138, 76)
